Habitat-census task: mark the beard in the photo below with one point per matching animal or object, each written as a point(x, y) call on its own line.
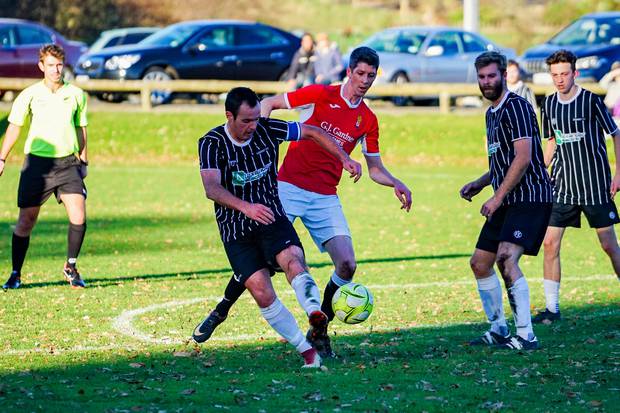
point(493, 92)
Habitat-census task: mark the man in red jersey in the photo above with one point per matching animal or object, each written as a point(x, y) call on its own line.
point(309, 176)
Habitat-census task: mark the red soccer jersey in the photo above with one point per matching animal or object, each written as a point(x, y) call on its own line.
point(309, 166)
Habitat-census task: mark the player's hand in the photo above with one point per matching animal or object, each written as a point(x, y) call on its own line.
point(403, 194)
point(489, 207)
point(614, 187)
point(83, 170)
point(353, 167)
point(260, 213)
point(470, 190)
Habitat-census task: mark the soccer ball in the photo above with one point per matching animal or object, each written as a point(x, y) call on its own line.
point(352, 303)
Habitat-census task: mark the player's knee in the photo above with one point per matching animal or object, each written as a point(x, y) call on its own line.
point(551, 247)
point(479, 268)
point(346, 268)
point(610, 247)
point(24, 225)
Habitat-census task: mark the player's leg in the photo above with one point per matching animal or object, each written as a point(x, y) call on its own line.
point(490, 291)
point(75, 205)
point(26, 221)
point(292, 262)
point(609, 243)
point(279, 317)
point(552, 274)
point(340, 250)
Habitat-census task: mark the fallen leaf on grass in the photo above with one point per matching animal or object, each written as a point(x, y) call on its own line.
point(187, 392)
point(136, 365)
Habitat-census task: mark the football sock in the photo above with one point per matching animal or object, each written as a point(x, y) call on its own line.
point(281, 320)
point(307, 292)
point(233, 291)
point(490, 291)
point(18, 251)
point(519, 298)
point(75, 239)
point(552, 295)
point(334, 283)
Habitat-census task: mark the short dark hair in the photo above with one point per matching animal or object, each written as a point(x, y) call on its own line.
point(512, 62)
point(53, 50)
point(364, 55)
point(562, 56)
point(488, 58)
point(237, 96)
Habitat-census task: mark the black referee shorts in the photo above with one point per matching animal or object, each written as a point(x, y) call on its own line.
point(598, 216)
point(41, 177)
point(258, 249)
point(523, 224)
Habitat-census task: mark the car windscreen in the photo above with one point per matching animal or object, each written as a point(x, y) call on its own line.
point(397, 41)
point(172, 35)
point(589, 31)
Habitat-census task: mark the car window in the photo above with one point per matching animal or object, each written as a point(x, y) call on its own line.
point(216, 38)
point(132, 38)
point(173, 36)
point(589, 31)
point(396, 41)
point(6, 36)
point(113, 41)
point(259, 36)
point(32, 35)
point(409, 42)
point(448, 41)
point(473, 43)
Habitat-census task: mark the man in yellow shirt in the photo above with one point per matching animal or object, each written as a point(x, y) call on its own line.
point(55, 161)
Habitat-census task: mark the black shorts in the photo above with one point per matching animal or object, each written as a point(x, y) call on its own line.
point(40, 177)
point(598, 216)
point(523, 224)
point(258, 249)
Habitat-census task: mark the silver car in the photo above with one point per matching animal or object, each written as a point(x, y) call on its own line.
point(429, 54)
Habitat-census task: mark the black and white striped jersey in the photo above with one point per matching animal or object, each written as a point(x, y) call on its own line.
point(580, 169)
point(513, 119)
point(249, 170)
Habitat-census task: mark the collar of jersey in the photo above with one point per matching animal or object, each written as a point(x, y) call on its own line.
point(516, 86)
point(347, 101)
point(501, 102)
point(566, 102)
point(234, 142)
point(62, 87)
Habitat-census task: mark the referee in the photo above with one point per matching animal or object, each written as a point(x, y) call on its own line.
point(55, 161)
point(518, 212)
point(575, 122)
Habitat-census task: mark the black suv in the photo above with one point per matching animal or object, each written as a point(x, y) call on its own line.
point(208, 49)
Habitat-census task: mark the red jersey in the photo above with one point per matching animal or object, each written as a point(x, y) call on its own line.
point(309, 166)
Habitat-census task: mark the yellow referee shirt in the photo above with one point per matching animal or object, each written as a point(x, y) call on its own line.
point(54, 119)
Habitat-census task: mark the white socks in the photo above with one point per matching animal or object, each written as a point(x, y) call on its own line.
point(307, 292)
point(519, 298)
point(338, 281)
point(552, 295)
point(491, 296)
point(281, 320)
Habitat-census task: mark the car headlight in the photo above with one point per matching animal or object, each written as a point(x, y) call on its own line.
point(122, 62)
point(589, 62)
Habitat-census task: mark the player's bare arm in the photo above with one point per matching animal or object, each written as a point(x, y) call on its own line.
point(473, 188)
point(83, 155)
point(12, 133)
point(211, 179)
point(379, 174)
point(518, 166)
point(267, 105)
point(549, 151)
point(330, 145)
point(615, 181)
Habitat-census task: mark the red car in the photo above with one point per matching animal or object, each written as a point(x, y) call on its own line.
point(20, 41)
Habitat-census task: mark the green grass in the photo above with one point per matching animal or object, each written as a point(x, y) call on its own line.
point(152, 240)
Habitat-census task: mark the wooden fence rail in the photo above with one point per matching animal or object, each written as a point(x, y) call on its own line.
point(445, 91)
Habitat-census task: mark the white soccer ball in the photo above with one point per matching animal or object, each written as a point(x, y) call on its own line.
point(352, 303)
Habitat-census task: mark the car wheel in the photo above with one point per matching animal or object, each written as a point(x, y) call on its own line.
point(400, 78)
point(158, 97)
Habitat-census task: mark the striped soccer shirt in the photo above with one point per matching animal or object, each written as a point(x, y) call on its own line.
point(513, 119)
point(580, 169)
point(249, 170)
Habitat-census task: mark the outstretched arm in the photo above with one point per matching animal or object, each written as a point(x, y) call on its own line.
point(328, 143)
point(473, 188)
point(379, 173)
point(273, 102)
point(12, 133)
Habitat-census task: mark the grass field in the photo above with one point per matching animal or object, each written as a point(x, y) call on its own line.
point(155, 267)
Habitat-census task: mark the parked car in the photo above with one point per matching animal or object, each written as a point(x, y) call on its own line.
point(594, 39)
point(209, 49)
point(120, 37)
point(20, 41)
point(429, 55)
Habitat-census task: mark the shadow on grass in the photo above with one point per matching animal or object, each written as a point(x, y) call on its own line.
point(106, 282)
point(428, 368)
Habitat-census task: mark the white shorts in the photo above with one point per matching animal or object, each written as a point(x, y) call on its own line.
point(321, 214)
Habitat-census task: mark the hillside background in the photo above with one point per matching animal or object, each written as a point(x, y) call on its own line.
point(347, 21)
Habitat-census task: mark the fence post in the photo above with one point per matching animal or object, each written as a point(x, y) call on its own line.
point(444, 102)
point(145, 98)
